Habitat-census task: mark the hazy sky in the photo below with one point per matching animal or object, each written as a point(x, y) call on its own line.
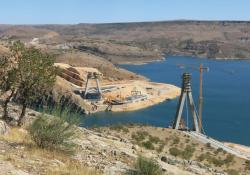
point(99, 11)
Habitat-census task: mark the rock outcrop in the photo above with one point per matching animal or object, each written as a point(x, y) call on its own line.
point(4, 128)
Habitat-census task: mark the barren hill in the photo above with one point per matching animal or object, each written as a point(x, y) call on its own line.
point(143, 41)
point(216, 39)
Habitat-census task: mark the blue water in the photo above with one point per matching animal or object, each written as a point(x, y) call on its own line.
point(226, 109)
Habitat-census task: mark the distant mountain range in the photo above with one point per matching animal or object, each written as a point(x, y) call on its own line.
point(143, 41)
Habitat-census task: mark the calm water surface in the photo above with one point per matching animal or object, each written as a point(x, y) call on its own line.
point(226, 109)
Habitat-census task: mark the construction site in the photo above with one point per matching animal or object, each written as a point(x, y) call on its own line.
point(94, 93)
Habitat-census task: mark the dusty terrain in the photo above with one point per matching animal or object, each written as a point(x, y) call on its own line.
point(113, 151)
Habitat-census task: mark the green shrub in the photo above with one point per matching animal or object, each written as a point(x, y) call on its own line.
point(229, 159)
point(232, 172)
point(139, 136)
point(145, 166)
point(176, 140)
point(187, 153)
point(161, 147)
point(213, 160)
point(154, 139)
point(174, 151)
point(208, 145)
point(201, 157)
point(148, 145)
point(119, 127)
point(54, 132)
point(218, 151)
point(206, 156)
point(247, 164)
point(217, 162)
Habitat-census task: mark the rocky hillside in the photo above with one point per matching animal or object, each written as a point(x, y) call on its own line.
point(113, 151)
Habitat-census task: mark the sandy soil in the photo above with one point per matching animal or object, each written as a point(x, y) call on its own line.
point(156, 93)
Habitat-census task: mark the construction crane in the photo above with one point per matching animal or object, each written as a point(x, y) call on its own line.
point(201, 96)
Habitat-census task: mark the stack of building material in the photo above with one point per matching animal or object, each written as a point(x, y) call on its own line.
point(72, 75)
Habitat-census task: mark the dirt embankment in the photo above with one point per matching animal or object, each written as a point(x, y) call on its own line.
point(111, 72)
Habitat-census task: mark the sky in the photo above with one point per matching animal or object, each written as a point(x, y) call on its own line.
point(107, 11)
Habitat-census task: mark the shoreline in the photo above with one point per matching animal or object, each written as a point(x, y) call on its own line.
point(142, 62)
point(187, 55)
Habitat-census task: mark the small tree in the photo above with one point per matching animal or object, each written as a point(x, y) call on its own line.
point(4, 85)
point(28, 74)
point(9, 76)
point(8, 85)
point(36, 74)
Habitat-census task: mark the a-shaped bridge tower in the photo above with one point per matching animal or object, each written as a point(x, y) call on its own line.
point(186, 97)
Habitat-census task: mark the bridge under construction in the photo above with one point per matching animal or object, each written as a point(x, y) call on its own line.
point(196, 131)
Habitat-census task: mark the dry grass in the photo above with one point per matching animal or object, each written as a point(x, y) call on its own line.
point(32, 153)
point(17, 135)
point(72, 168)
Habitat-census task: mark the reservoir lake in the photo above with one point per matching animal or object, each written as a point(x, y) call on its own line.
point(226, 97)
